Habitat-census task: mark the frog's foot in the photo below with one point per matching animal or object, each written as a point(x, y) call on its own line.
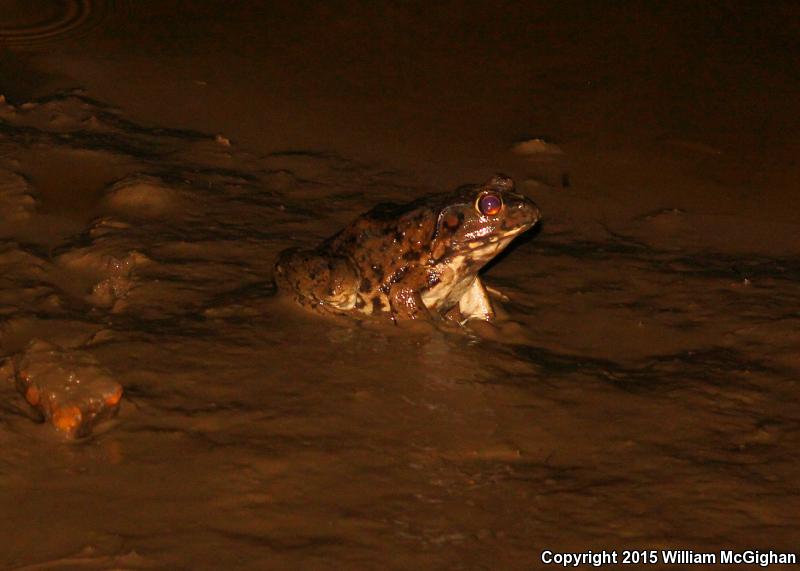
point(475, 303)
point(453, 314)
point(69, 388)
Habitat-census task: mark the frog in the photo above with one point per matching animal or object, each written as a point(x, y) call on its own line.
point(415, 261)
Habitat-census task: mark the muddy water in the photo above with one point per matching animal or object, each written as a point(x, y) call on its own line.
point(640, 390)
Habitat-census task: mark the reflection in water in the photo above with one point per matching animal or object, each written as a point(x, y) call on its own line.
point(29, 24)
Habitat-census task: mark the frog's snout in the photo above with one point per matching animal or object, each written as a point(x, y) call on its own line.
point(526, 212)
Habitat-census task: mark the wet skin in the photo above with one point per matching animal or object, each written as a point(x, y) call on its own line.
point(413, 261)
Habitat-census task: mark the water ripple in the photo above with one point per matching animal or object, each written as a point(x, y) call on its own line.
point(30, 25)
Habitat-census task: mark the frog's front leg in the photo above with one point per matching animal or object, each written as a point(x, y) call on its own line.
point(405, 299)
point(475, 303)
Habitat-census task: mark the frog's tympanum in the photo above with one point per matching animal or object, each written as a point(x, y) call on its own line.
point(412, 261)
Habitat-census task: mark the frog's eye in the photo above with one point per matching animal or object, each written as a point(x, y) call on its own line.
point(489, 204)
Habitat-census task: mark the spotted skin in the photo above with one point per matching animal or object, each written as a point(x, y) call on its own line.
point(412, 261)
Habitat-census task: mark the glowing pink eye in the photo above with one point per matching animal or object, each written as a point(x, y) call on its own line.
point(490, 204)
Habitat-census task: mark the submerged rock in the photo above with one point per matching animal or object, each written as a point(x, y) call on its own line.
point(69, 388)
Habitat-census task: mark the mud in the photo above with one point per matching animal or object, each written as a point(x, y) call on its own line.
point(638, 391)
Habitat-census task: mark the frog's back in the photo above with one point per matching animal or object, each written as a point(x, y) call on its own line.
point(384, 240)
point(384, 227)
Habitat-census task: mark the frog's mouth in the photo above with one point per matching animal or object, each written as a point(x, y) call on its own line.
point(501, 238)
point(487, 248)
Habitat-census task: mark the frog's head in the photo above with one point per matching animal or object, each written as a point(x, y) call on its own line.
point(477, 222)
